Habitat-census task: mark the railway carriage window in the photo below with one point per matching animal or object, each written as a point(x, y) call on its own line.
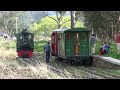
point(59, 36)
point(69, 36)
point(83, 36)
point(76, 37)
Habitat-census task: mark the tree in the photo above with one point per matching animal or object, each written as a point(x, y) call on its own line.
point(104, 23)
point(25, 19)
point(72, 19)
point(47, 25)
point(37, 15)
point(7, 20)
point(59, 17)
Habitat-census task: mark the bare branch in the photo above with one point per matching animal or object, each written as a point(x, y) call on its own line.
point(62, 14)
point(50, 17)
point(64, 22)
point(61, 17)
point(57, 16)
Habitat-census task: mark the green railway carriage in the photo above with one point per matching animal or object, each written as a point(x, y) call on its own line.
point(72, 45)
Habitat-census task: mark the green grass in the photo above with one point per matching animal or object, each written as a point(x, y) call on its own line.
point(11, 44)
point(38, 46)
point(7, 44)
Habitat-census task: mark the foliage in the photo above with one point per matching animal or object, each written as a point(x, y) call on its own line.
point(47, 25)
point(38, 46)
point(103, 23)
point(25, 19)
point(8, 20)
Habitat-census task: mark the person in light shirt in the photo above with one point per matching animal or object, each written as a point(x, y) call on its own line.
point(93, 43)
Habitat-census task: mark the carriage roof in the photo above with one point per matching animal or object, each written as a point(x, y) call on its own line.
point(74, 29)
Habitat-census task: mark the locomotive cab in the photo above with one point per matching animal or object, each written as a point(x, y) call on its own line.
point(25, 44)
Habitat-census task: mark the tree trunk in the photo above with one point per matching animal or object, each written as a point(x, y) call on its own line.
point(72, 19)
point(59, 25)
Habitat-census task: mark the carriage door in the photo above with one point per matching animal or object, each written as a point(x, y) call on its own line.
point(76, 44)
point(84, 43)
point(53, 44)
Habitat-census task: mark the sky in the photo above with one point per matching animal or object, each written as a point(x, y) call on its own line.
point(52, 13)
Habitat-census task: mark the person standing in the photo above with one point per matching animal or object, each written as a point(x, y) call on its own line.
point(5, 36)
point(117, 40)
point(93, 43)
point(47, 50)
point(107, 47)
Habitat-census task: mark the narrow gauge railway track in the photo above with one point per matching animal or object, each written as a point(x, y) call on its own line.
point(94, 71)
point(31, 61)
point(111, 75)
point(100, 73)
point(28, 61)
point(35, 61)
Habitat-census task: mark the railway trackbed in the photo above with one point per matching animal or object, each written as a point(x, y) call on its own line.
point(101, 73)
point(96, 73)
point(30, 61)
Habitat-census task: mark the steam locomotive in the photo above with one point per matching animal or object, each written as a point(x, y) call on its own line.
point(25, 44)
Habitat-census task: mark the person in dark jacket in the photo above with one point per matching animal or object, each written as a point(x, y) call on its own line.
point(107, 47)
point(47, 50)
